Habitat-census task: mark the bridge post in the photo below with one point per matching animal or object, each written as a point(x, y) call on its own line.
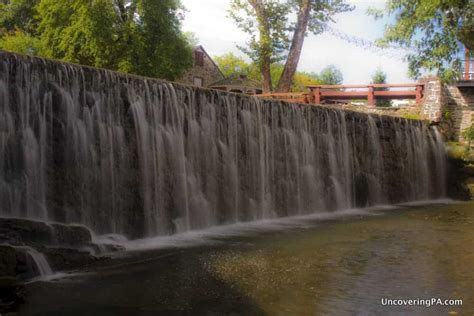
point(317, 95)
point(370, 96)
point(419, 94)
point(466, 64)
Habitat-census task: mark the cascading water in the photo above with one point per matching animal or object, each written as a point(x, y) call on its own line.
point(141, 157)
point(41, 264)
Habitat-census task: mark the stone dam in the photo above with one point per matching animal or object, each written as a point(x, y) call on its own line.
point(121, 154)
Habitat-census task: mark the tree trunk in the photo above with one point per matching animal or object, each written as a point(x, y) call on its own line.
point(265, 51)
point(294, 54)
point(267, 76)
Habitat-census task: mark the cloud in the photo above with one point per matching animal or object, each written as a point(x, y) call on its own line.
point(208, 19)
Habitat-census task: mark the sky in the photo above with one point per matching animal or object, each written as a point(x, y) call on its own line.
point(209, 21)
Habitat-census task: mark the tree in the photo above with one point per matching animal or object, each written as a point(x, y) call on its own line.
point(331, 75)
point(433, 30)
point(275, 36)
point(18, 27)
point(380, 77)
point(134, 36)
point(22, 43)
point(231, 64)
point(18, 15)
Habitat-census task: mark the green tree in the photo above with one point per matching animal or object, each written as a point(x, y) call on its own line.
point(134, 36)
point(433, 30)
point(18, 27)
point(468, 135)
point(380, 77)
point(22, 43)
point(331, 75)
point(18, 15)
point(230, 64)
point(276, 36)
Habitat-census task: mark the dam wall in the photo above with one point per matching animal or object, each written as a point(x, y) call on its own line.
point(142, 157)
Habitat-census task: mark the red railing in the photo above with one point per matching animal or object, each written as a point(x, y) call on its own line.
point(468, 72)
point(319, 94)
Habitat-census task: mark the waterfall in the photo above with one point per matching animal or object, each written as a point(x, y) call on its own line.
point(41, 264)
point(129, 155)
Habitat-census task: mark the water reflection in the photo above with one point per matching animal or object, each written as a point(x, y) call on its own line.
point(348, 268)
point(339, 267)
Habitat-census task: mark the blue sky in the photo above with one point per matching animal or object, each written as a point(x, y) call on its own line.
point(208, 19)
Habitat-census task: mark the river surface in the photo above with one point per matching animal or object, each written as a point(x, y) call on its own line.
point(341, 265)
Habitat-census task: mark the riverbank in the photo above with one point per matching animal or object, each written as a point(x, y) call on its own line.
point(330, 266)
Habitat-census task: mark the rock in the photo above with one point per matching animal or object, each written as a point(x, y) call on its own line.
point(8, 261)
point(71, 235)
point(17, 231)
point(61, 259)
point(10, 288)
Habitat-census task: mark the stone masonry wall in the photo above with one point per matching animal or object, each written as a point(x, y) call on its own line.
point(433, 100)
point(459, 102)
point(209, 72)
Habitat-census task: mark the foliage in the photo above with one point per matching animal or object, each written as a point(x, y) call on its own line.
point(380, 77)
point(268, 32)
point(433, 30)
point(412, 116)
point(275, 35)
point(303, 79)
point(468, 134)
point(23, 43)
point(136, 36)
point(191, 38)
point(18, 15)
point(230, 64)
point(331, 75)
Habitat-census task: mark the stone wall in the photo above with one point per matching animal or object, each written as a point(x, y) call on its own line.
point(459, 103)
point(409, 111)
point(433, 100)
point(208, 72)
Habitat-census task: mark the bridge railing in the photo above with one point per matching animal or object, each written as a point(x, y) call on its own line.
point(468, 71)
point(318, 94)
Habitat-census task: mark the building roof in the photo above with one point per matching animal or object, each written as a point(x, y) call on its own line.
point(237, 80)
point(208, 56)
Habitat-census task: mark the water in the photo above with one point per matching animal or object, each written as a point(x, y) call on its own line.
point(42, 266)
point(140, 157)
point(330, 265)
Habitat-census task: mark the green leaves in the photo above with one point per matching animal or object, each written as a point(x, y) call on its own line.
point(276, 36)
point(331, 75)
point(434, 29)
point(136, 36)
point(380, 77)
point(231, 64)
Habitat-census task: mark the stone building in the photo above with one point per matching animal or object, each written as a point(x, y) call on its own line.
point(204, 70)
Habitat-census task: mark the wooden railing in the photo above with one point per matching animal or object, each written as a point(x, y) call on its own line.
point(319, 94)
point(468, 72)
